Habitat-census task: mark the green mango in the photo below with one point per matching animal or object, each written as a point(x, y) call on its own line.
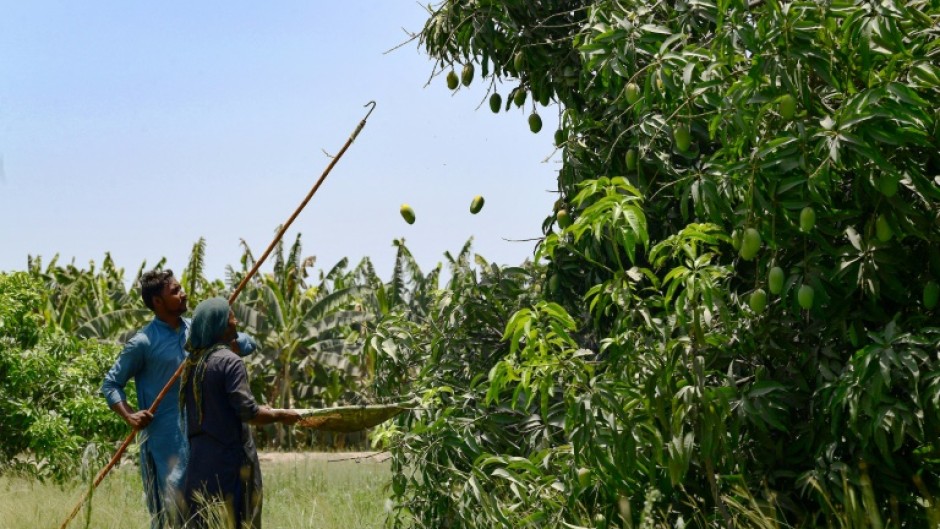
point(775, 280)
point(476, 205)
point(750, 244)
point(787, 107)
point(883, 229)
point(931, 294)
point(683, 137)
point(407, 213)
point(535, 122)
point(633, 93)
point(496, 102)
point(584, 476)
point(807, 219)
point(736, 240)
point(758, 300)
point(564, 220)
point(466, 76)
point(888, 184)
point(631, 159)
point(805, 296)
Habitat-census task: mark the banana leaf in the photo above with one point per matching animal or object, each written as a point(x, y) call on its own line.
point(348, 418)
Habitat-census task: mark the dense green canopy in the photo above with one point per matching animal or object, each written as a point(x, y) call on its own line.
point(661, 378)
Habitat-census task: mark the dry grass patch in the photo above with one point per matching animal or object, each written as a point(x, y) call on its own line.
point(299, 492)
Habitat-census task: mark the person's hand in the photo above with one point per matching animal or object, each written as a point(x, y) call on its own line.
point(289, 416)
point(139, 420)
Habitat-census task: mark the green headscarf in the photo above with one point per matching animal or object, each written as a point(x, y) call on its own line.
point(210, 320)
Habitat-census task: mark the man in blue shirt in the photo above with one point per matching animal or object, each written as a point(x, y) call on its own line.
point(151, 357)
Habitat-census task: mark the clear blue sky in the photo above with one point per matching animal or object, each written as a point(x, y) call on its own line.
point(138, 127)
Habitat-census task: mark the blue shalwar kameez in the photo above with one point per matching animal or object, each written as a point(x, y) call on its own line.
point(151, 357)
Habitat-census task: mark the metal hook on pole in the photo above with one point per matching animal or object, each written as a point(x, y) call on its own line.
point(254, 269)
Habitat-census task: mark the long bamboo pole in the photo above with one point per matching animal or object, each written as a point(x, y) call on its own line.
point(241, 286)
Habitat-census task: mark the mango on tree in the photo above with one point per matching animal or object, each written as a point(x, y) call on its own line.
point(584, 476)
point(888, 184)
point(775, 280)
point(632, 92)
point(750, 244)
point(883, 229)
point(807, 219)
point(758, 300)
point(630, 159)
point(805, 296)
point(787, 107)
point(931, 294)
point(466, 75)
point(683, 137)
point(452, 80)
point(564, 219)
point(545, 97)
point(496, 101)
point(535, 122)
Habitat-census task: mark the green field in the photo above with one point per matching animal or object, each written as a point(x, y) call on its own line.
point(298, 494)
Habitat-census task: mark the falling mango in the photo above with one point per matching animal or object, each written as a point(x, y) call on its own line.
point(407, 213)
point(476, 205)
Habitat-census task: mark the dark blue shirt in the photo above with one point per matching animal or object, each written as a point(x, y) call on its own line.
point(227, 403)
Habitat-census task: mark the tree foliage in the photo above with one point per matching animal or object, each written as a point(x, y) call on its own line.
point(309, 333)
point(62, 326)
point(49, 410)
point(694, 136)
point(443, 359)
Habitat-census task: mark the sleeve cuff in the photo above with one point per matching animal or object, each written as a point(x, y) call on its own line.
point(246, 344)
point(113, 396)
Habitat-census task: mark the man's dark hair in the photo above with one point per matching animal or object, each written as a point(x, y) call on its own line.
point(152, 283)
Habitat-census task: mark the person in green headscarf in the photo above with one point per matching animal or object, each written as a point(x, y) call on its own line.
point(220, 465)
point(150, 359)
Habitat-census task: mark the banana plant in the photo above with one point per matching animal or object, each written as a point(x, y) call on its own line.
point(93, 303)
point(409, 290)
point(310, 350)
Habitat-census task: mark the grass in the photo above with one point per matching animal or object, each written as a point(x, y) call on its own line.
point(297, 494)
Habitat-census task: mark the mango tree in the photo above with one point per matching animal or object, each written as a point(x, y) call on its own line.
point(712, 152)
point(50, 413)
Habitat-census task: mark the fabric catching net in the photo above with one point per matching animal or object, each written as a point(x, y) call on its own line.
point(348, 418)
